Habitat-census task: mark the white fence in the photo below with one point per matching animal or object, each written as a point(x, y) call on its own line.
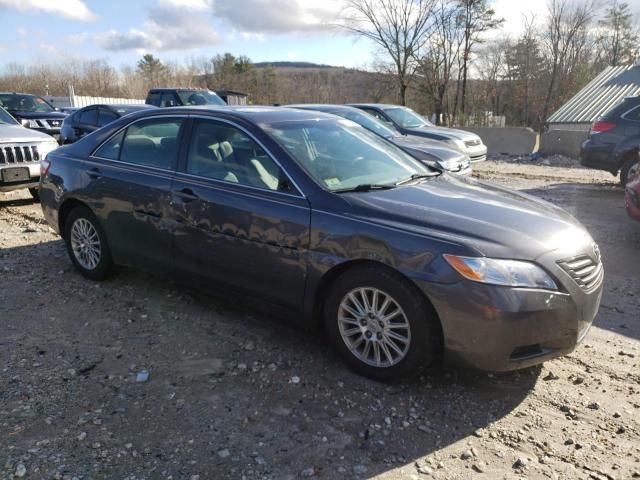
point(84, 100)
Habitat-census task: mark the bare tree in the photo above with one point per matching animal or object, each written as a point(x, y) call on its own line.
point(565, 33)
point(398, 27)
point(617, 39)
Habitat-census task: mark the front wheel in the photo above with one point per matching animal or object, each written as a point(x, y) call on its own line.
point(381, 325)
point(87, 244)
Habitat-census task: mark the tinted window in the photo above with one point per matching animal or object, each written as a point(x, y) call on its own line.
point(154, 99)
point(633, 115)
point(24, 103)
point(89, 116)
point(106, 116)
point(168, 100)
point(376, 114)
point(223, 152)
point(199, 97)
point(152, 143)
point(111, 149)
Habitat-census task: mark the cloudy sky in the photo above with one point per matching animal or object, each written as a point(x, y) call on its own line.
point(265, 30)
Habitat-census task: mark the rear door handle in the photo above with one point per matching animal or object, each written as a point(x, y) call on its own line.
point(95, 173)
point(186, 195)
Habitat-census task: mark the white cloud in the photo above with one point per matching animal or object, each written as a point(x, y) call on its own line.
point(73, 9)
point(172, 25)
point(77, 39)
point(277, 16)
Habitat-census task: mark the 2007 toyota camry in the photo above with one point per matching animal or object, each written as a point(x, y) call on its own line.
point(400, 263)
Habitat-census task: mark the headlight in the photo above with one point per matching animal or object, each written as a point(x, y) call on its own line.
point(29, 123)
point(45, 148)
point(511, 273)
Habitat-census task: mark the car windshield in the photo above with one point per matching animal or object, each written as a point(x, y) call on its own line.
point(342, 155)
point(200, 97)
point(25, 103)
point(6, 118)
point(367, 121)
point(407, 118)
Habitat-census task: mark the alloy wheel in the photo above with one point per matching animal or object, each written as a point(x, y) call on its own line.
point(85, 243)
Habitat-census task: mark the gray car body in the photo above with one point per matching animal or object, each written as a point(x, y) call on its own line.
point(288, 248)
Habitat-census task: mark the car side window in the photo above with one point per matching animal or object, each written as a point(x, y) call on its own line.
point(223, 152)
point(105, 117)
point(89, 117)
point(168, 100)
point(377, 114)
point(153, 99)
point(152, 143)
point(633, 115)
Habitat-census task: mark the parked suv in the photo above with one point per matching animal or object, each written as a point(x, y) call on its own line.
point(21, 150)
point(33, 112)
point(613, 141)
point(178, 97)
point(408, 122)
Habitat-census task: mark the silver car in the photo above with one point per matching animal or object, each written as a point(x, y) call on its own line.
point(21, 150)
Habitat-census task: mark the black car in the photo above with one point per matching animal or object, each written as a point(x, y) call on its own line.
point(180, 97)
point(33, 112)
point(432, 151)
point(92, 117)
point(335, 226)
point(613, 141)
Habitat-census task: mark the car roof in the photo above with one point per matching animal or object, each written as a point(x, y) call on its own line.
point(322, 107)
point(381, 106)
point(255, 114)
point(179, 89)
point(141, 106)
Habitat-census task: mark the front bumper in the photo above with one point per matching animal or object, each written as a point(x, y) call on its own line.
point(501, 328)
point(477, 153)
point(34, 177)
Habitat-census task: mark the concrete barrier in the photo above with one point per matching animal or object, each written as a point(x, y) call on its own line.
point(508, 140)
point(562, 142)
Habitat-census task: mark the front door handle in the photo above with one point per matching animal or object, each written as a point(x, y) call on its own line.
point(186, 195)
point(95, 173)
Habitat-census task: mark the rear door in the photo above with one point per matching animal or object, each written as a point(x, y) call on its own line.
point(129, 187)
point(240, 220)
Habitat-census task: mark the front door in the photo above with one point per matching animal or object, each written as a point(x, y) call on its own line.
point(240, 221)
point(129, 189)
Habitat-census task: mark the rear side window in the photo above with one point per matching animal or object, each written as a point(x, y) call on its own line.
point(633, 115)
point(153, 99)
point(106, 116)
point(89, 117)
point(152, 143)
point(169, 100)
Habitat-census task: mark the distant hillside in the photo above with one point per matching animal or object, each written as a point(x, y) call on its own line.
point(291, 65)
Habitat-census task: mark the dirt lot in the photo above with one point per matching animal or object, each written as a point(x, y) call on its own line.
point(234, 393)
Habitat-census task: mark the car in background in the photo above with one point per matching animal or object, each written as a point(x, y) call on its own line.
point(335, 226)
point(449, 159)
point(92, 117)
point(613, 140)
point(632, 197)
point(180, 97)
point(33, 112)
point(21, 150)
point(408, 122)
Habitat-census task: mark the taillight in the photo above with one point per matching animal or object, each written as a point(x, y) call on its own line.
point(601, 126)
point(45, 165)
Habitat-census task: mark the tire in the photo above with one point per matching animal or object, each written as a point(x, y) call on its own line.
point(630, 168)
point(35, 193)
point(81, 224)
point(422, 340)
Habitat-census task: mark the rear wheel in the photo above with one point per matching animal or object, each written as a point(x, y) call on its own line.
point(87, 244)
point(630, 168)
point(381, 325)
point(35, 193)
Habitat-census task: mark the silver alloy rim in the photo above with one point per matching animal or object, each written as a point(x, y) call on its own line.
point(85, 243)
point(374, 327)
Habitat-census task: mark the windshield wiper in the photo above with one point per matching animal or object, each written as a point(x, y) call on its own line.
point(366, 187)
point(418, 176)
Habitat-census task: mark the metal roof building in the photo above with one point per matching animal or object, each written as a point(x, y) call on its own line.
point(601, 94)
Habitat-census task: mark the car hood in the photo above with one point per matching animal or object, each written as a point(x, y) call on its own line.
point(442, 133)
point(39, 115)
point(18, 134)
point(492, 220)
point(433, 147)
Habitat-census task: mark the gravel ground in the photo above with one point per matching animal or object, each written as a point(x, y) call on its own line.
point(135, 379)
